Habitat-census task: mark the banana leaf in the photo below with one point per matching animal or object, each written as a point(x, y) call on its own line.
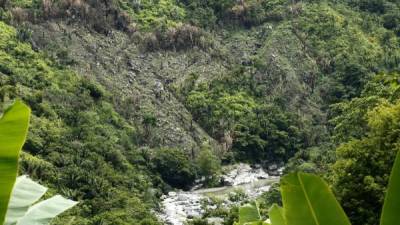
point(43, 212)
point(13, 130)
point(25, 193)
point(257, 223)
point(249, 214)
point(391, 207)
point(276, 215)
point(307, 200)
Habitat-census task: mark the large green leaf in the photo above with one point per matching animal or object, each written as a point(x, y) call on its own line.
point(307, 200)
point(25, 193)
point(249, 213)
point(391, 208)
point(13, 130)
point(257, 223)
point(276, 215)
point(43, 212)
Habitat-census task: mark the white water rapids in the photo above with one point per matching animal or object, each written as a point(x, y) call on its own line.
point(177, 207)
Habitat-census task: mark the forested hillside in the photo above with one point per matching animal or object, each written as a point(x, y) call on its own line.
point(132, 99)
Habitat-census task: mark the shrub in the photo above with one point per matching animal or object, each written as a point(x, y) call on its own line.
point(392, 21)
point(24, 34)
point(95, 91)
point(174, 167)
point(19, 14)
point(183, 36)
point(375, 6)
point(208, 164)
point(198, 221)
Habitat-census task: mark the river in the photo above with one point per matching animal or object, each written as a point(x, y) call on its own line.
point(177, 207)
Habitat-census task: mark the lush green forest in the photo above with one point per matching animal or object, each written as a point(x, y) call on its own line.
point(133, 99)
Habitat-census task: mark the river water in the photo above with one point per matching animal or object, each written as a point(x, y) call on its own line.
point(177, 207)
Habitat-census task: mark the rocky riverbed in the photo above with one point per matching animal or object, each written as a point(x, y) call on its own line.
point(182, 205)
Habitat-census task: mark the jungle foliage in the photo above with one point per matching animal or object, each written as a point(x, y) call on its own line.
point(368, 148)
point(78, 144)
point(307, 199)
point(18, 195)
point(317, 89)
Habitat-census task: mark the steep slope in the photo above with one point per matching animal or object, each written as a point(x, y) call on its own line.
point(140, 82)
point(78, 145)
point(256, 79)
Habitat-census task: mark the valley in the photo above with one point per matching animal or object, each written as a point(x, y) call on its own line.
point(181, 112)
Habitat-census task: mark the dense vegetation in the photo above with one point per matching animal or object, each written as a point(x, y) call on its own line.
point(77, 144)
point(368, 149)
point(310, 84)
point(307, 199)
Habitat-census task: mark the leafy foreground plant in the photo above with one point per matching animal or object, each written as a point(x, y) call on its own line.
point(18, 195)
point(307, 200)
